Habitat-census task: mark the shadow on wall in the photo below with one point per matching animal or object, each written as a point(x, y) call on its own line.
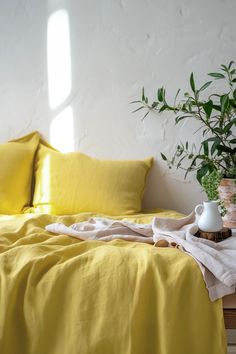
point(157, 186)
point(163, 191)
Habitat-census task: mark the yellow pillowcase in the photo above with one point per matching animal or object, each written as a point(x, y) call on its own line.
point(73, 183)
point(16, 168)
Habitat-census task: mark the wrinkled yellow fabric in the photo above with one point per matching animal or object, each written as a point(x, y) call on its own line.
point(16, 167)
point(59, 295)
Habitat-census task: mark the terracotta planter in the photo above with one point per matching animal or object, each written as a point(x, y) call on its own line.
point(227, 191)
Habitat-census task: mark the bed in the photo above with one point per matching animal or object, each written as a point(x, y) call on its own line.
point(229, 306)
point(60, 295)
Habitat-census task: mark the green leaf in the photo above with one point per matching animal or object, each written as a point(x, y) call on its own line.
point(215, 138)
point(234, 121)
point(223, 148)
point(205, 86)
point(202, 172)
point(224, 100)
point(179, 151)
point(224, 67)
point(145, 115)
point(205, 148)
point(176, 96)
point(163, 108)
point(179, 118)
point(228, 127)
point(217, 107)
point(196, 95)
point(233, 141)
point(160, 94)
point(179, 163)
point(193, 162)
point(208, 106)
point(215, 95)
point(138, 109)
point(163, 157)
point(201, 157)
point(230, 64)
point(154, 104)
point(219, 130)
point(214, 147)
point(136, 102)
point(143, 95)
point(217, 75)
point(232, 103)
point(192, 83)
point(234, 94)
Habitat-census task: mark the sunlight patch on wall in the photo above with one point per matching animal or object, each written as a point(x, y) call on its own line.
point(62, 131)
point(44, 187)
point(59, 80)
point(59, 58)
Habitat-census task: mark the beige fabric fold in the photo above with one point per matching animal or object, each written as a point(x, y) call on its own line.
point(217, 261)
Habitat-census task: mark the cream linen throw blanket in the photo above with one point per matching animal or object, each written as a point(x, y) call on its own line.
point(217, 261)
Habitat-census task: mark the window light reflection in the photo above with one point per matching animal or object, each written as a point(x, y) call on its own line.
point(59, 80)
point(59, 58)
point(44, 190)
point(62, 131)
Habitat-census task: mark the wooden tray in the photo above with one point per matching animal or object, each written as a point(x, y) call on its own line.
point(215, 236)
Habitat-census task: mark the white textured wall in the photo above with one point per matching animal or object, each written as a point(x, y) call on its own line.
point(116, 47)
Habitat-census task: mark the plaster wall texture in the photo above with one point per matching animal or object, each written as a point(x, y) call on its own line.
point(115, 47)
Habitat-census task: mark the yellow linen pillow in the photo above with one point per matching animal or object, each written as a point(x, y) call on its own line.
point(73, 183)
point(16, 168)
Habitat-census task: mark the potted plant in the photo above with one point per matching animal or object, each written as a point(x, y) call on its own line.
point(214, 160)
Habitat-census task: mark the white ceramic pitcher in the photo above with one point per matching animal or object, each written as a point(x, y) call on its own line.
point(210, 219)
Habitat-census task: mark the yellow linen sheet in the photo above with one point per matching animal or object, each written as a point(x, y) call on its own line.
point(59, 295)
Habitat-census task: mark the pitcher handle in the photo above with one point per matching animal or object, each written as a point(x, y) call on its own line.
point(197, 211)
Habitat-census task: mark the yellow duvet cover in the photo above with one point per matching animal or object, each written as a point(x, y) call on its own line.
point(59, 295)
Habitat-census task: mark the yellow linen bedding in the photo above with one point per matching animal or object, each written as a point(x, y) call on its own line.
point(59, 295)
